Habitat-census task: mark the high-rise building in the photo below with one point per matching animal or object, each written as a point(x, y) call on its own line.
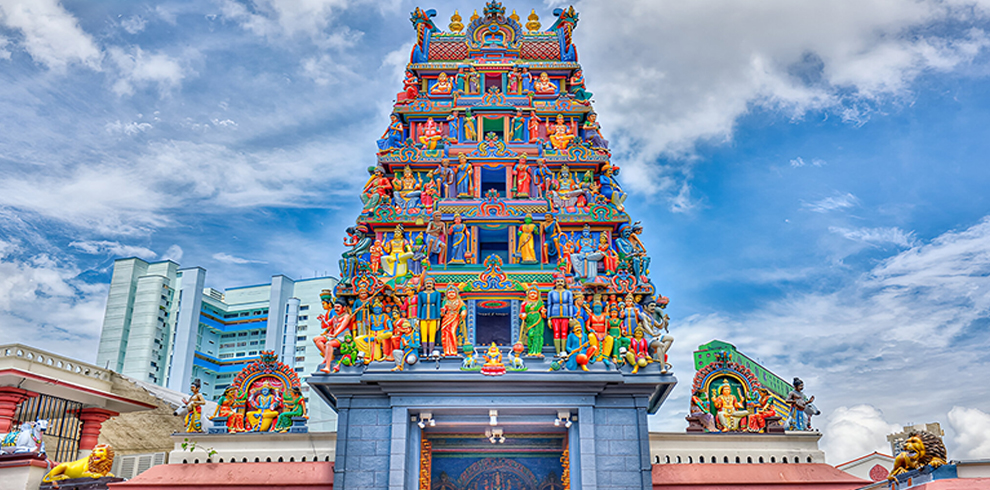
point(162, 325)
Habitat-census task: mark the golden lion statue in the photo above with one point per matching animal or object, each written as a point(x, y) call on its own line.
point(922, 448)
point(97, 465)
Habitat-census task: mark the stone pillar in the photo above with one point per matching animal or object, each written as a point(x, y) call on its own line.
point(92, 421)
point(10, 398)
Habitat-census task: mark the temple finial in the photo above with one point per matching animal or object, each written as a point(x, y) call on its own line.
point(514, 15)
point(474, 16)
point(455, 23)
point(534, 22)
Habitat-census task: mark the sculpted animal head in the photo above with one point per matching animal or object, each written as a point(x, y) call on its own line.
point(100, 460)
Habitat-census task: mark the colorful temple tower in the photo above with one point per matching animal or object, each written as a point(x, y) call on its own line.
point(493, 218)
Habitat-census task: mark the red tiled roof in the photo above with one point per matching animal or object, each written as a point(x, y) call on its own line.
point(816, 476)
point(242, 476)
point(878, 453)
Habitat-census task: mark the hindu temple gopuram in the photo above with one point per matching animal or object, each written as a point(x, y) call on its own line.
point(495, 325)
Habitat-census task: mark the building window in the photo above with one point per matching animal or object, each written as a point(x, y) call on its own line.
point(299, 369)
point(301, 338)
point(228, 336)
point(242, 344)
point(301, 359)
point(304, 318)
point(226, 356)
point(253, 353)
point(239, 354)
point(242, 334)
point(253, 342)
point(301, 328)
point(303, 307)
point(300, 349)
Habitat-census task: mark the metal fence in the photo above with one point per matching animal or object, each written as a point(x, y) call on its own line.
point(62, 435)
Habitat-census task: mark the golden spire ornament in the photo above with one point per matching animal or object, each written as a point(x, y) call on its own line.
point(455, 23)
point(534, 21)
point(474, 16)
point(514, 15)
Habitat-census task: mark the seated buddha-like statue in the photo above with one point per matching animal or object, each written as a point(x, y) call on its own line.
point(544, 86)
point(443, 85)
point(560, 135)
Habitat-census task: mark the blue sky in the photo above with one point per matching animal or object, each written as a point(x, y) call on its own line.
point(812, 175)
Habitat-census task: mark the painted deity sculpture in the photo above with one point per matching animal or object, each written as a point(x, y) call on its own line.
point(559, 133)
point(410, 89)
point(560, 306)
point(406, 191)
point(231, 405)
point(431, 136)
point(452, 316)
point(762, 410)
point(443, 85)
point(802, 407)
point(577, 90)
point(527, 240)
point(532, 314)
point(636, 260)
point(96, 465)
point(294, 406)
point(527, 80)
point(701, 409)
point(656, 321)
point(579, 348)
point(515, 81)
point(609, 258)
point(266, 401)
point(610, 187)
point(523, 180)
point(534, 128)
point(453, 127)
point(436, 239)
point(341, 322)
point(543, 85)
point(587, 256)
point(460, 240)
point(428, 315)
point(493, 362)
point(376, 190)
point(517, 127)
point(378, 338)
point(470, 127)
point(360, 242)
point(593, 133)
point(638, 354)
point(392, 138)
point(192, 409)
point(397, 253)
point(405, 342)
point(552, 237)
point(730, 409)
point(598, 328)
point(464, 178)
point(443, 175)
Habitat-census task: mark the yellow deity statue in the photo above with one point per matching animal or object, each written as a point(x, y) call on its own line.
point(397, 253)
point(559, 133)
point(266, 401)
point(730, 409)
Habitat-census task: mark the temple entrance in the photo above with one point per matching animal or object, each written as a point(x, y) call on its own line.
point(521, 462)
point(494, 323)
point(493, 242)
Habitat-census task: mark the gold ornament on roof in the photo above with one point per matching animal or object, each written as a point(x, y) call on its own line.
point(514, 16)
point(534, 21)
point(474, 16)
point(455, 23)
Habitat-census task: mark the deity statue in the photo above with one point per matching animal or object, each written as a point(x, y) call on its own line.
point(341, 322)
point(560, 303)
point(593, 133)
point(231, 405)
point(534, 128)
point(376, 190)
point(410, 87)
point(630, 314)
point(730, 409)
point(517, 127)
point(637, 260)
point(452, 316)
point(577, 90)
point(579, 349)
point(656, 321)
point(407, 191)
point(493, 362)
point(431, 135)
point(515, 81)
point(430, 197)
point(598, 326)
point(376, 252)
point(587, 256)
point(702, 409)
point(294, 406)
point(522, 179)
point(470, 127)
point(638, 354)
point(560, 135)
point(361, 309)
point(436, 239)
point(405, 342)
point(397, 254)
point(453, 127)
point(392, 138)
point(543, 85)
point(443, 85)
point(551, 238)
point(543, 177)
point(464, 178)
point(609, 257)
point(762, 409)
point(460, 240)
point(564, 192)
point(443, 176)
point(532, 314)
point(193, 408)
point(610, 187)
point(378, 338)
point(360, 242)
point(474, 81)
point(266, 402)
point(527, 242)
point(802, 407)
point(428, 314)
point(582, 312)
point(527, 80)
point(348, 352)
point(622, 341)
point(460, 80)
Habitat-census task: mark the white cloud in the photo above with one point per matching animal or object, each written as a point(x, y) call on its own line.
point(138, 69)
point(972, 428)
point(129, 129)
point(173, 253)
point(877, 236)
point(51, 35)
point(838, 201)
point(851, 432)
point(277, 18)
point(43, 299)
point(668, 75)
point(324, 70)
point(134, 24)
point(115, 249)
point(925, 306)
point(799, 162)
point(4, 54)
point(231, 259)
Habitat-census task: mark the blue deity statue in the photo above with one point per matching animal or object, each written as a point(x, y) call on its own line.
point(587, 256)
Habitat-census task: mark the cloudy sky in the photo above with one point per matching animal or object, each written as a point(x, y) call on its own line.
point(812, 174)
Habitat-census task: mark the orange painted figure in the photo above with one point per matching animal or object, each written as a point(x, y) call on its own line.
point(376, 256)
point(764, 409)
point(560, 135)
point(523, 179)
point(431, 134)
point(452, 315)
point(341, 322)
point(610, 259)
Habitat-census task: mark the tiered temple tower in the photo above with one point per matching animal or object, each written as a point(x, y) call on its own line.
point(494, 219)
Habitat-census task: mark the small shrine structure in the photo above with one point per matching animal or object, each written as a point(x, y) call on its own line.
point(265, 396)
point(495, 325)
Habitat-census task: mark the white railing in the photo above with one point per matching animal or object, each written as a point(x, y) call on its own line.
point(53, 360)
